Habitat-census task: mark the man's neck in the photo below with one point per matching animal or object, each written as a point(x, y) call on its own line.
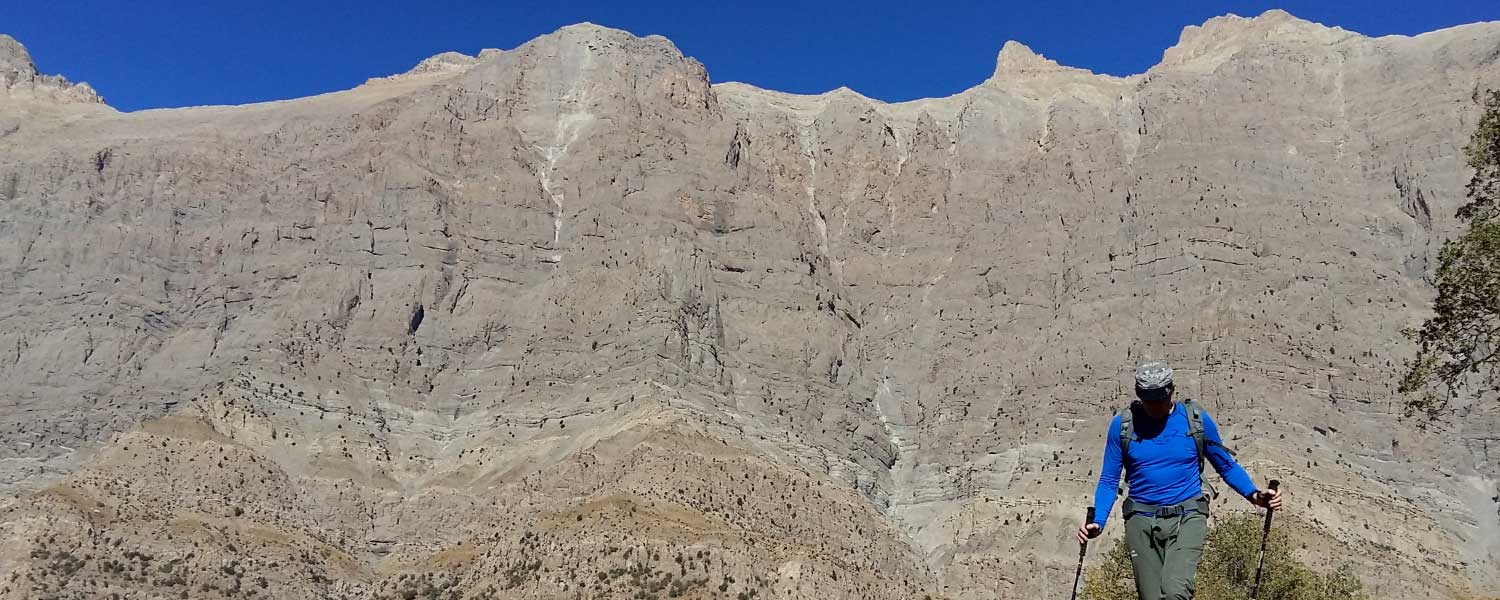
point(1170, 411)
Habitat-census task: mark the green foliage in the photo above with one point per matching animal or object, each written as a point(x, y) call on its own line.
point(1483, 153)
point(1458, 345)
point(1227, 570)
point(1111, 578)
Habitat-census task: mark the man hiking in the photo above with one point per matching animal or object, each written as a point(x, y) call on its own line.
point(1162, 444)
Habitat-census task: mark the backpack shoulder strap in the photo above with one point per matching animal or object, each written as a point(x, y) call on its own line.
point(1200, 439)
point(1127, 430)
point(1195, 428)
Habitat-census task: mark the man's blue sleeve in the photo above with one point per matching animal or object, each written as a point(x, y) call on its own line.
point(1225, 464)
point(1109, 475)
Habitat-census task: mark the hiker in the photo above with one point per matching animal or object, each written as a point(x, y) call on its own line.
point(1162, 444)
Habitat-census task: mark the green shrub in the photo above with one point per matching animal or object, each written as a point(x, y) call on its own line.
point(1455, 347)
point(1227, 570)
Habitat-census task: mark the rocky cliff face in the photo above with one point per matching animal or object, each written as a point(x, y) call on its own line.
point(569, 321)
point(19, 80)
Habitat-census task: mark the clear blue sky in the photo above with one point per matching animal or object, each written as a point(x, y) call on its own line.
point(159, 53)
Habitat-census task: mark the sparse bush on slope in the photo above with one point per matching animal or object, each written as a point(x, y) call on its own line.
point(1227, 571)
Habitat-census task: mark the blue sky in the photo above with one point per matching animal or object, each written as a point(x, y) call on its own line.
point(162, 53)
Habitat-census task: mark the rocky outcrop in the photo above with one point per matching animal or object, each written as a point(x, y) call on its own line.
point(567, 319)
point(20, 81)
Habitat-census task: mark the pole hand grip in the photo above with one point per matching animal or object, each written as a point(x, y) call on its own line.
point(1087, 520)
point(1265, 534)
point(1083, 549)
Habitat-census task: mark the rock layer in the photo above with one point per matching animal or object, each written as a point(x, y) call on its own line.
point(568, 320)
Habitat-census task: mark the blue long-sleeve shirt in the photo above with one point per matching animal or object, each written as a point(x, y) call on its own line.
point(1163, 469)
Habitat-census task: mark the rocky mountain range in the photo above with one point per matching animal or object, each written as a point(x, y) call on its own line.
point(571, 320)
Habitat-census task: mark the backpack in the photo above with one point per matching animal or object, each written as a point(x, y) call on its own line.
point(1195, 429)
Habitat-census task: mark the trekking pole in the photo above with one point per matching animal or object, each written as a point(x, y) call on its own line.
point(1083, 548)
point(1264, 534)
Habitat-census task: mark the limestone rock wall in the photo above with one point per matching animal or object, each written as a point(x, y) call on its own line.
point(478, 329)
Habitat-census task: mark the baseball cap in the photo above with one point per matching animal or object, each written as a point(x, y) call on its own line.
point(1153, 376)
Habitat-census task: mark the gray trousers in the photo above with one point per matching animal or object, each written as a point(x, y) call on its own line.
point(1164, 552)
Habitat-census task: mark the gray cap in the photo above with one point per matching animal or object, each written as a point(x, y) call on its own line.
point(1153, 375)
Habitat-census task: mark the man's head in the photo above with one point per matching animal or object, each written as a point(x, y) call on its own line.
point(1153, 385)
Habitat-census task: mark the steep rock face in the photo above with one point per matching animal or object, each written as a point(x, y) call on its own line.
point(15, 61)
point(566, 318)
point(20, 81)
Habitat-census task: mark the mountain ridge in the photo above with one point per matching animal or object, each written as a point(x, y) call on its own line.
point(1014, 59)
point(488, 325)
